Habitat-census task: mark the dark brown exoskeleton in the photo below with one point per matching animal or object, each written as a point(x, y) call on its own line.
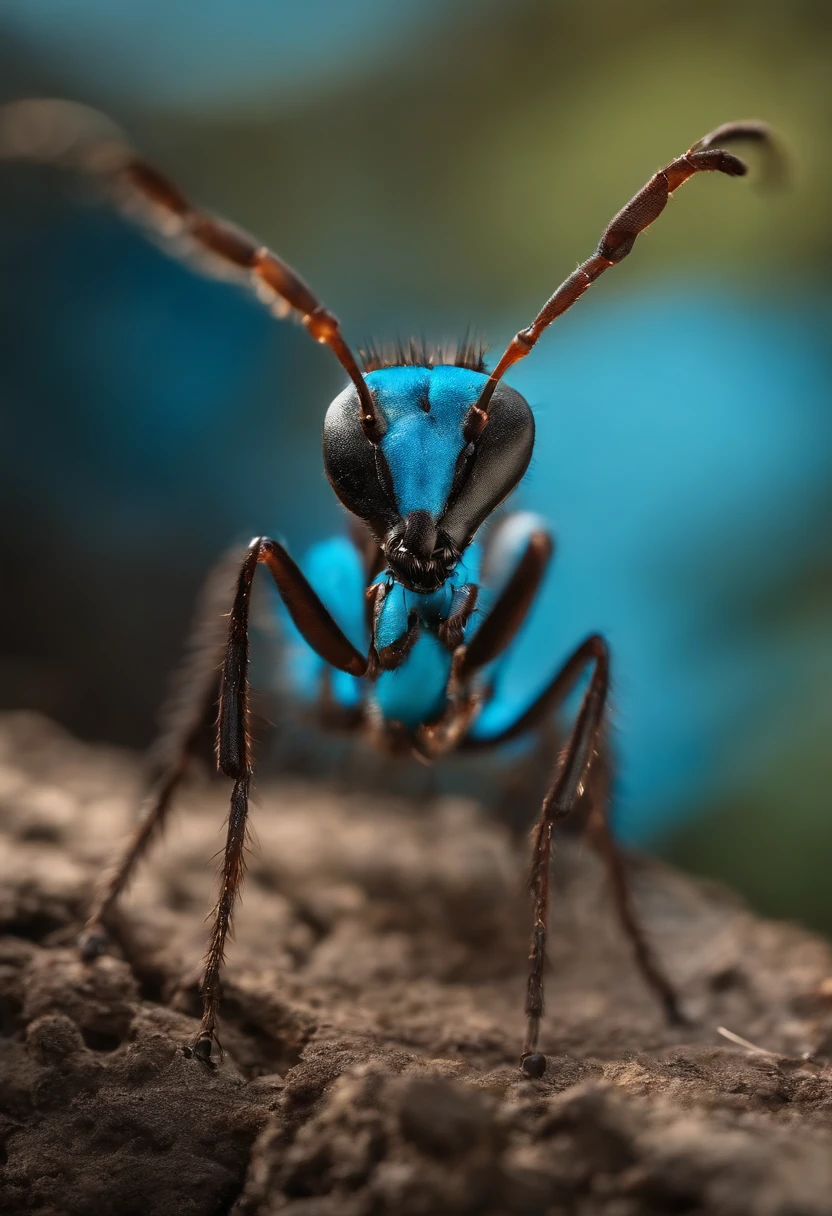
point(419, 547)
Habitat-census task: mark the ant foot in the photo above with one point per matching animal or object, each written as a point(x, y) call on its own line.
point(533, 1064)
point(93, 940)
point(202, 1049)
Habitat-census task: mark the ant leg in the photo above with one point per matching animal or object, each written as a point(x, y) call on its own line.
point(517, 572)
point(234, 743)
point(605, 844)
point(564, 793)
point(195, 690)
point(516, 556)
point(557, 804)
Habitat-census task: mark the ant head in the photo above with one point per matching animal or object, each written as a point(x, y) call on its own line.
point(428, 483)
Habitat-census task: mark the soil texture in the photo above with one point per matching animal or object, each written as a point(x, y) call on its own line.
point(372, 1019)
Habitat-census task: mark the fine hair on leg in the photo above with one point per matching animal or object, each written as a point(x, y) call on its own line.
point(234, 754)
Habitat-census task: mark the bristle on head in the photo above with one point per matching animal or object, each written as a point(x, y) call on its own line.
point(416, 352)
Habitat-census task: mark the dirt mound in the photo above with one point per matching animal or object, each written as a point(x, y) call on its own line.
point(372, 1020)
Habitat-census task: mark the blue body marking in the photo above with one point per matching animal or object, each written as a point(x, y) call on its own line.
point(335, 570)
point(506, 545)
point(415, 692)
point(421, 445)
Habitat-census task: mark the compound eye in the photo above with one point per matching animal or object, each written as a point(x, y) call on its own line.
point(356, 468)
point(490, 466)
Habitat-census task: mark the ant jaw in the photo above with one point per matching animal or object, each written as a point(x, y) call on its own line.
point(421, 573)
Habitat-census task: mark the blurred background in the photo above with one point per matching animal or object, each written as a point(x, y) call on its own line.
point(429, 165)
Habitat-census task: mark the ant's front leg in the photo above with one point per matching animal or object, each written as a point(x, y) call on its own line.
point(234, 742)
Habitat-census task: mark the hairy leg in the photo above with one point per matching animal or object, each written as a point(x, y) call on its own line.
point(234, 755)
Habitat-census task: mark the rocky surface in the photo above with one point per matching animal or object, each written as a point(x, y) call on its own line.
point(372, 1019)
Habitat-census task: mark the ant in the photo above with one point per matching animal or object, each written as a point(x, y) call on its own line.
point(407, 626)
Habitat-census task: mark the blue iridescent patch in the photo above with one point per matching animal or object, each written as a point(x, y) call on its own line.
point(335, 570)
point(424, 408)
